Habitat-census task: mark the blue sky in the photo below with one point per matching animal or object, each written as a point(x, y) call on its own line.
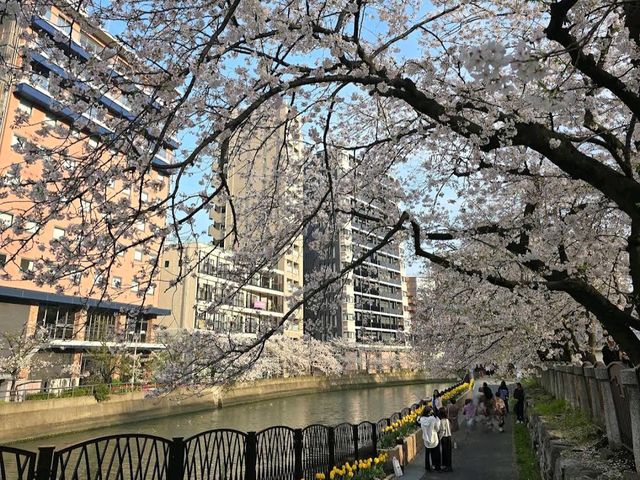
point(411, 170)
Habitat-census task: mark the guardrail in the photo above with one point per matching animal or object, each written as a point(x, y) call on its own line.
point(46, 393)
point(275, 453)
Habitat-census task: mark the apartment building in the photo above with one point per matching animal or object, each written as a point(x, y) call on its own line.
point(87, 309)
point(264, 178)
point(369, 307)
point(217, 295)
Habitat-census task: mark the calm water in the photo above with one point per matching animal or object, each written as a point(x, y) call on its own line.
point(327, 408)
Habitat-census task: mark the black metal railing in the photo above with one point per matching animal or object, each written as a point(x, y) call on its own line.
point(275, 453)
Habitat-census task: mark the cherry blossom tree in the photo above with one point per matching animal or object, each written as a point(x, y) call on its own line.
point(18, 353)
point(514, 124)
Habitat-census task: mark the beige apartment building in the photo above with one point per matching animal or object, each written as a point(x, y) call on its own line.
point(225, 292)
point(218, 296)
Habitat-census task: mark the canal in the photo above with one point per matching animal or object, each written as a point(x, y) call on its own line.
point(329, 408)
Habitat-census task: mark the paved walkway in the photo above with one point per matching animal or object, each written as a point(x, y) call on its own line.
point(483, 456)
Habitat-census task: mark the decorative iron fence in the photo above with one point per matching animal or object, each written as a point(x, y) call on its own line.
point(275, 453)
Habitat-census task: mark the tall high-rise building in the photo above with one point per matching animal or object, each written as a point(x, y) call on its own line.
point(82, 311)
point(367, 305)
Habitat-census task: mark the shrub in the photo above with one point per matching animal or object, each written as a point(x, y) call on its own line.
point(101, 392)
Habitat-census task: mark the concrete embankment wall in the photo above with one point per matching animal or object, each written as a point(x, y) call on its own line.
point(41, 418)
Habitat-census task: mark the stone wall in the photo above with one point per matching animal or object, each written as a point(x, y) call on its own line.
point(39, 418)
point(609, 396)
point(554, 452)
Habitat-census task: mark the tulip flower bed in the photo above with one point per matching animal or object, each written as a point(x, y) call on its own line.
point(403, 438)
point(369, 469)
point(456, 392)
point(394, 433)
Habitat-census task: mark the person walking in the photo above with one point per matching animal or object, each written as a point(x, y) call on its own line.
point(430, 425)
point(446, 446)
point(436, 402)
point(503, 393)
point(453, 414)
point(469, 414)
point(499, 412)
point(518, 394)
point(488, 399)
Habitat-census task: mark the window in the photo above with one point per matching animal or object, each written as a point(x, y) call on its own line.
point(140, 226)
point(58, 233)
point(3, 259)
point(6, 219)
point(25, 107)
point(75, 278)
point(137, 255)
point(57, 320)
point(18, 142)
point(134, 286)
point(89, 44)
point(50, 121)
point(166, 263)
point(144, 196)
point(116, 282)
point(63, 24)
point(68, 163)
point(98, 280)
point(85, 206)
point(151, 289)
point(26, 265)
point(40, 81)
point(92, 143)
point(31, 227)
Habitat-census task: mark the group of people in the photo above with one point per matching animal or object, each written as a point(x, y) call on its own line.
point(439, 421)
point(436, 433)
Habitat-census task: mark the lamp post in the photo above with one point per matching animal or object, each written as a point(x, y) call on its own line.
point(136, 339)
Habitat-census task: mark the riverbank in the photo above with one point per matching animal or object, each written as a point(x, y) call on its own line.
point(43, 418)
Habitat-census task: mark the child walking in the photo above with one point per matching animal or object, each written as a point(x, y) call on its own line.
point(444, 433)
point(469, 414)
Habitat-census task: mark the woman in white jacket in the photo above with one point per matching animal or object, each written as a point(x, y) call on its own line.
point(430, 425)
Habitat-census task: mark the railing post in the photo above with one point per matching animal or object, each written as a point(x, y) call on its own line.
point(332, 447)
point(374, 438)
point(629, 379)
point(176, 459)
point(610, 416)
point(356, 454)
point(297, 448)
point(251, 458)
point(44, 463)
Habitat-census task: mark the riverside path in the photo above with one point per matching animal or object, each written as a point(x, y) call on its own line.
point(482, 456)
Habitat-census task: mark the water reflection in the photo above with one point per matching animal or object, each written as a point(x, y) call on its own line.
point(328, 408)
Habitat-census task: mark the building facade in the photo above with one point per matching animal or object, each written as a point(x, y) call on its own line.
point(264, 184)
point(85, 310)
point(369, 306)
point(217, 296)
